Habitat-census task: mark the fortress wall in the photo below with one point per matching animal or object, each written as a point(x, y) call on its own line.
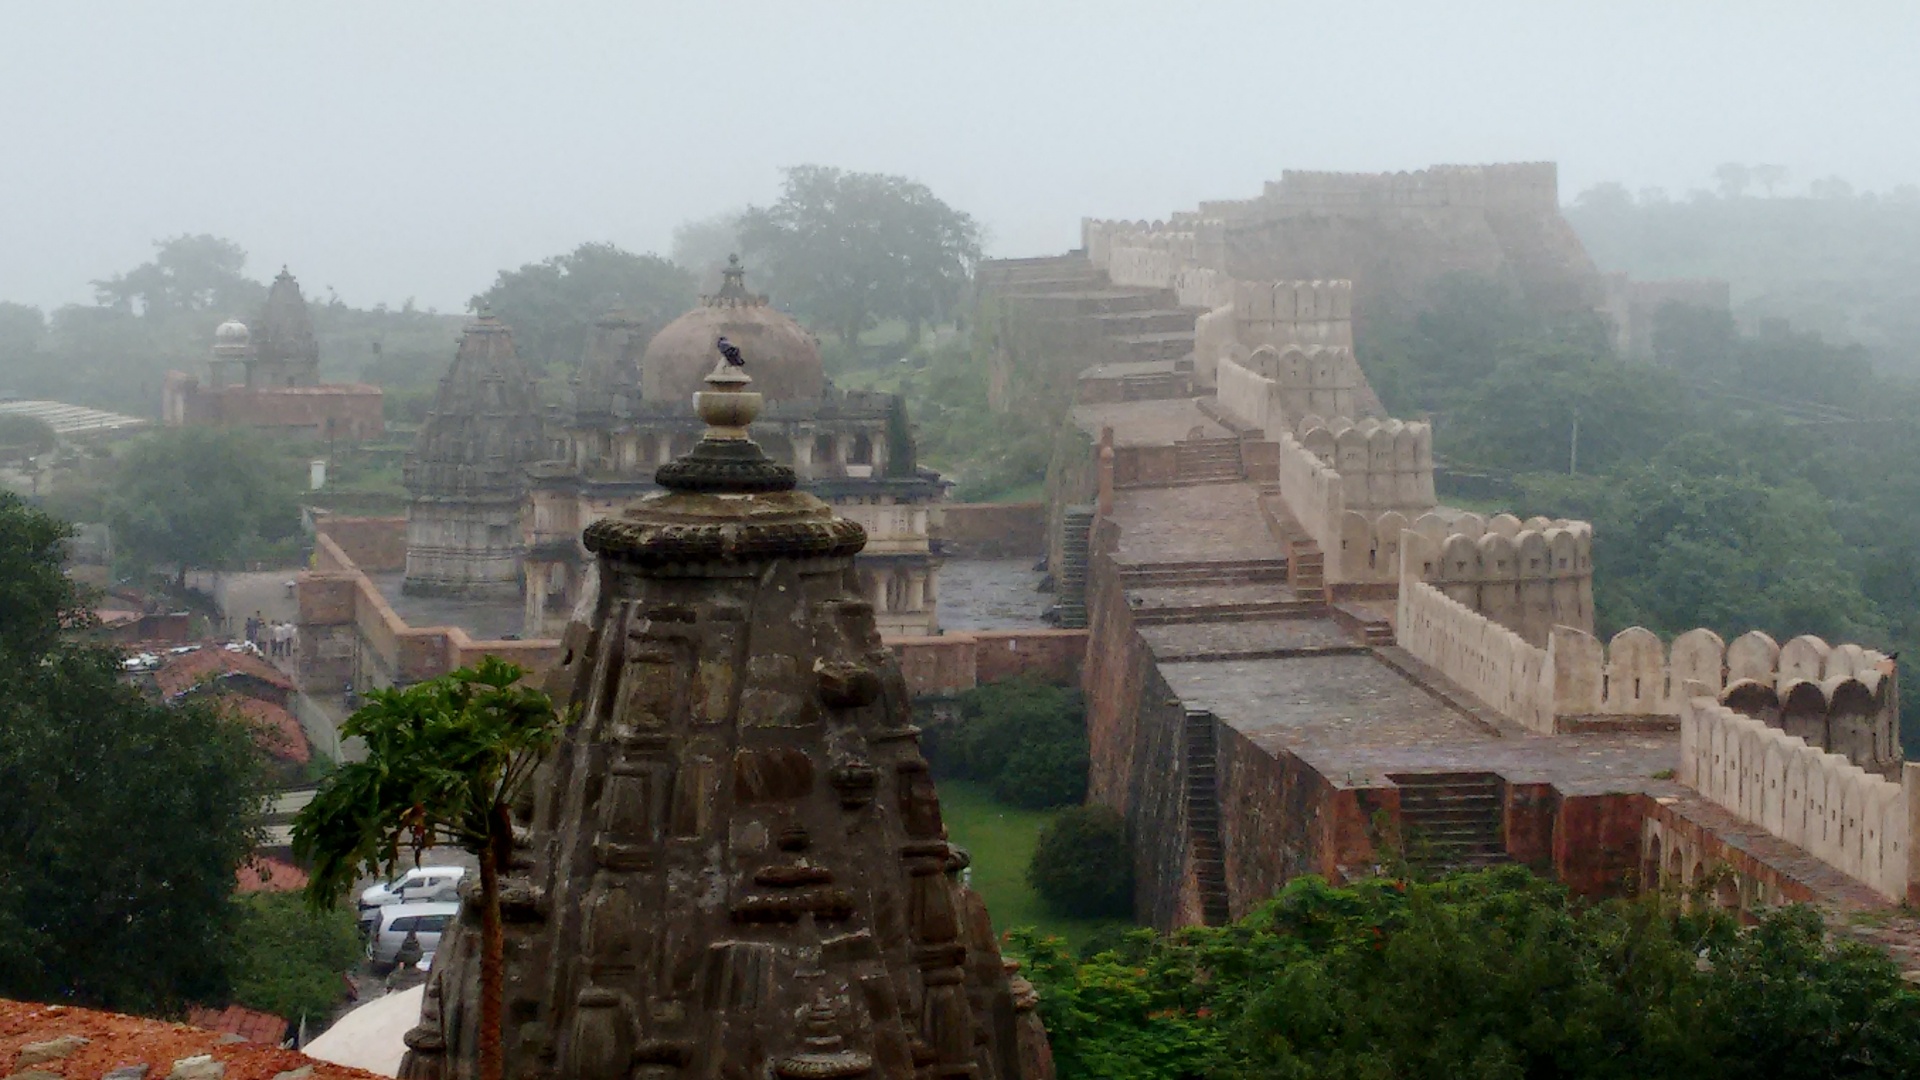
point(1487, 659)
point(1529, 576)
point(1248, 396)
point(1136, 739)
point(950, 663)
point(1851, 819)
point(1520, 185)
point(1314, 495)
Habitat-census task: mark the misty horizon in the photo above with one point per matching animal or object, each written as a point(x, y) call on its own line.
point(412, 154)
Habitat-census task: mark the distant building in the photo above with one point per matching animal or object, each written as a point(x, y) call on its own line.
point(267, 377)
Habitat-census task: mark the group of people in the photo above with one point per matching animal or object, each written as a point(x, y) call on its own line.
point(274, 637)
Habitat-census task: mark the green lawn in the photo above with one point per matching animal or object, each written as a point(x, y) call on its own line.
point(1000, 839)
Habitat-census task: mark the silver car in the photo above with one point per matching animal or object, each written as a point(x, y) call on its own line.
point(426, 922)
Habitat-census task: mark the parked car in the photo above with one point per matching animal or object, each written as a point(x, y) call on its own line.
point(422, 883)
point(426, 922)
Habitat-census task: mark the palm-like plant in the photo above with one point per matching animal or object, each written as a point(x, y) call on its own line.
point(445, 760)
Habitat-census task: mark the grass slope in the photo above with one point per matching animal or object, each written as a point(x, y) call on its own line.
point(1001, 840)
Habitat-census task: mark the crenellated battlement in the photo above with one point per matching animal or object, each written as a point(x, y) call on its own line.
point(1528, 576)
point(1821, 802)
point(1520, 185)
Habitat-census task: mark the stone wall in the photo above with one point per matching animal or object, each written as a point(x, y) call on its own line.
point(1487, 659)
point(1851, 819)
point(1518, 185)
point(375, 544)
point(1843, 699)
point(350, 633)
point(992, 530)
point(1529, 576)
point(950, 663)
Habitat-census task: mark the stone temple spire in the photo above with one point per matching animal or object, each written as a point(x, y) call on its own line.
point(734, 864)
point(467, 470)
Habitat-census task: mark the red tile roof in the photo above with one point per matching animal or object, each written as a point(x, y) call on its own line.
point(275, 730)
point(188, 670)
point(115, 1040)
point(263, 873)
point(250, 1024)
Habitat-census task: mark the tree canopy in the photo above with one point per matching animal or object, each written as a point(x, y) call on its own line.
point(123, 819)
point(188, 274)
point(196, 497)
point(845, 249)
point(552, 305)
point(1491, 974)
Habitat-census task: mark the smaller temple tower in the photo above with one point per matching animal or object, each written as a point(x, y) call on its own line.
point(467, 471)
point(284, 351)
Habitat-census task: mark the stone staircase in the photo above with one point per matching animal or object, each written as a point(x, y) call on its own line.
point(1451, 821)
point(1151, 386)
point(1204, 850)
point(1202, 461)
point(1223, 572)
point(1282, 606)
point(1071, 578)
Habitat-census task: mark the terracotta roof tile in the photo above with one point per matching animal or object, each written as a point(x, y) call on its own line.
point(250, 1024)
point(263, 873)
point(115, 1040)
point(187, 670)
point(275, 730)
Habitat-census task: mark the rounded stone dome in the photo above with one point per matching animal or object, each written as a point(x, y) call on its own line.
point(782, 357)
point(231, 332)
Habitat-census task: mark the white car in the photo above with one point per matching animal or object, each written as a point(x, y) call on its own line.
point(418, 884)
point(426, 922)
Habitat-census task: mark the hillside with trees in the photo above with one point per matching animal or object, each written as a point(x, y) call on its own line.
point(1830, 259)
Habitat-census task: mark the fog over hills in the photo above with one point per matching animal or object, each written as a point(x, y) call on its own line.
point(411, 151)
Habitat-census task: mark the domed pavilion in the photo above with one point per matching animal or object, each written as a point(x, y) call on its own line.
point(628, 415)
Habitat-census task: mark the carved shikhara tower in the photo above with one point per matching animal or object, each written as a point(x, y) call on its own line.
point(733, 864)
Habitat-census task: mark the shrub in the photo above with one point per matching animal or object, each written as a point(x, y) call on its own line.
point(289, 959)
point(1082, 867)
point(1025, 740)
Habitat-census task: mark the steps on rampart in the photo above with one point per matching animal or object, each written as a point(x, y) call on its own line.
point(1204, 850)
point(1151, 386)
point(1452, 821)
point(1246, 611)
point(1373, 629)
point(1152, 321)
point(1070, 584)
point(1170, 345)
point(1203, 460)
point(1224, 572)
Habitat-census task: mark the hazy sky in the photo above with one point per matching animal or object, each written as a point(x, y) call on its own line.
point(412, 149)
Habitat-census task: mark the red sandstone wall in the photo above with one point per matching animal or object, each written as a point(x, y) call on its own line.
point(1596, 842)
point(949, 663)
point(374, 544)
point(349, 411)
point(994, 530)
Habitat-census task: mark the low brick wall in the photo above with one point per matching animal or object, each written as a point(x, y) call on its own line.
point(994, 530)
point(950, 663)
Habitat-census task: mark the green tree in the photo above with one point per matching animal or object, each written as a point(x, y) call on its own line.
point(552, 304)
point(1490, 974)
point(288, 959)
point(25, 436)
point(846, 249)
point(123, 820)
point(196, 497)
point(188, 274)
point(1024, 739)
point(1082, 865)
point(701, 247)
point(445, 760)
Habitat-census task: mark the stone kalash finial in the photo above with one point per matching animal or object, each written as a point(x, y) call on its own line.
point(735, 863)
